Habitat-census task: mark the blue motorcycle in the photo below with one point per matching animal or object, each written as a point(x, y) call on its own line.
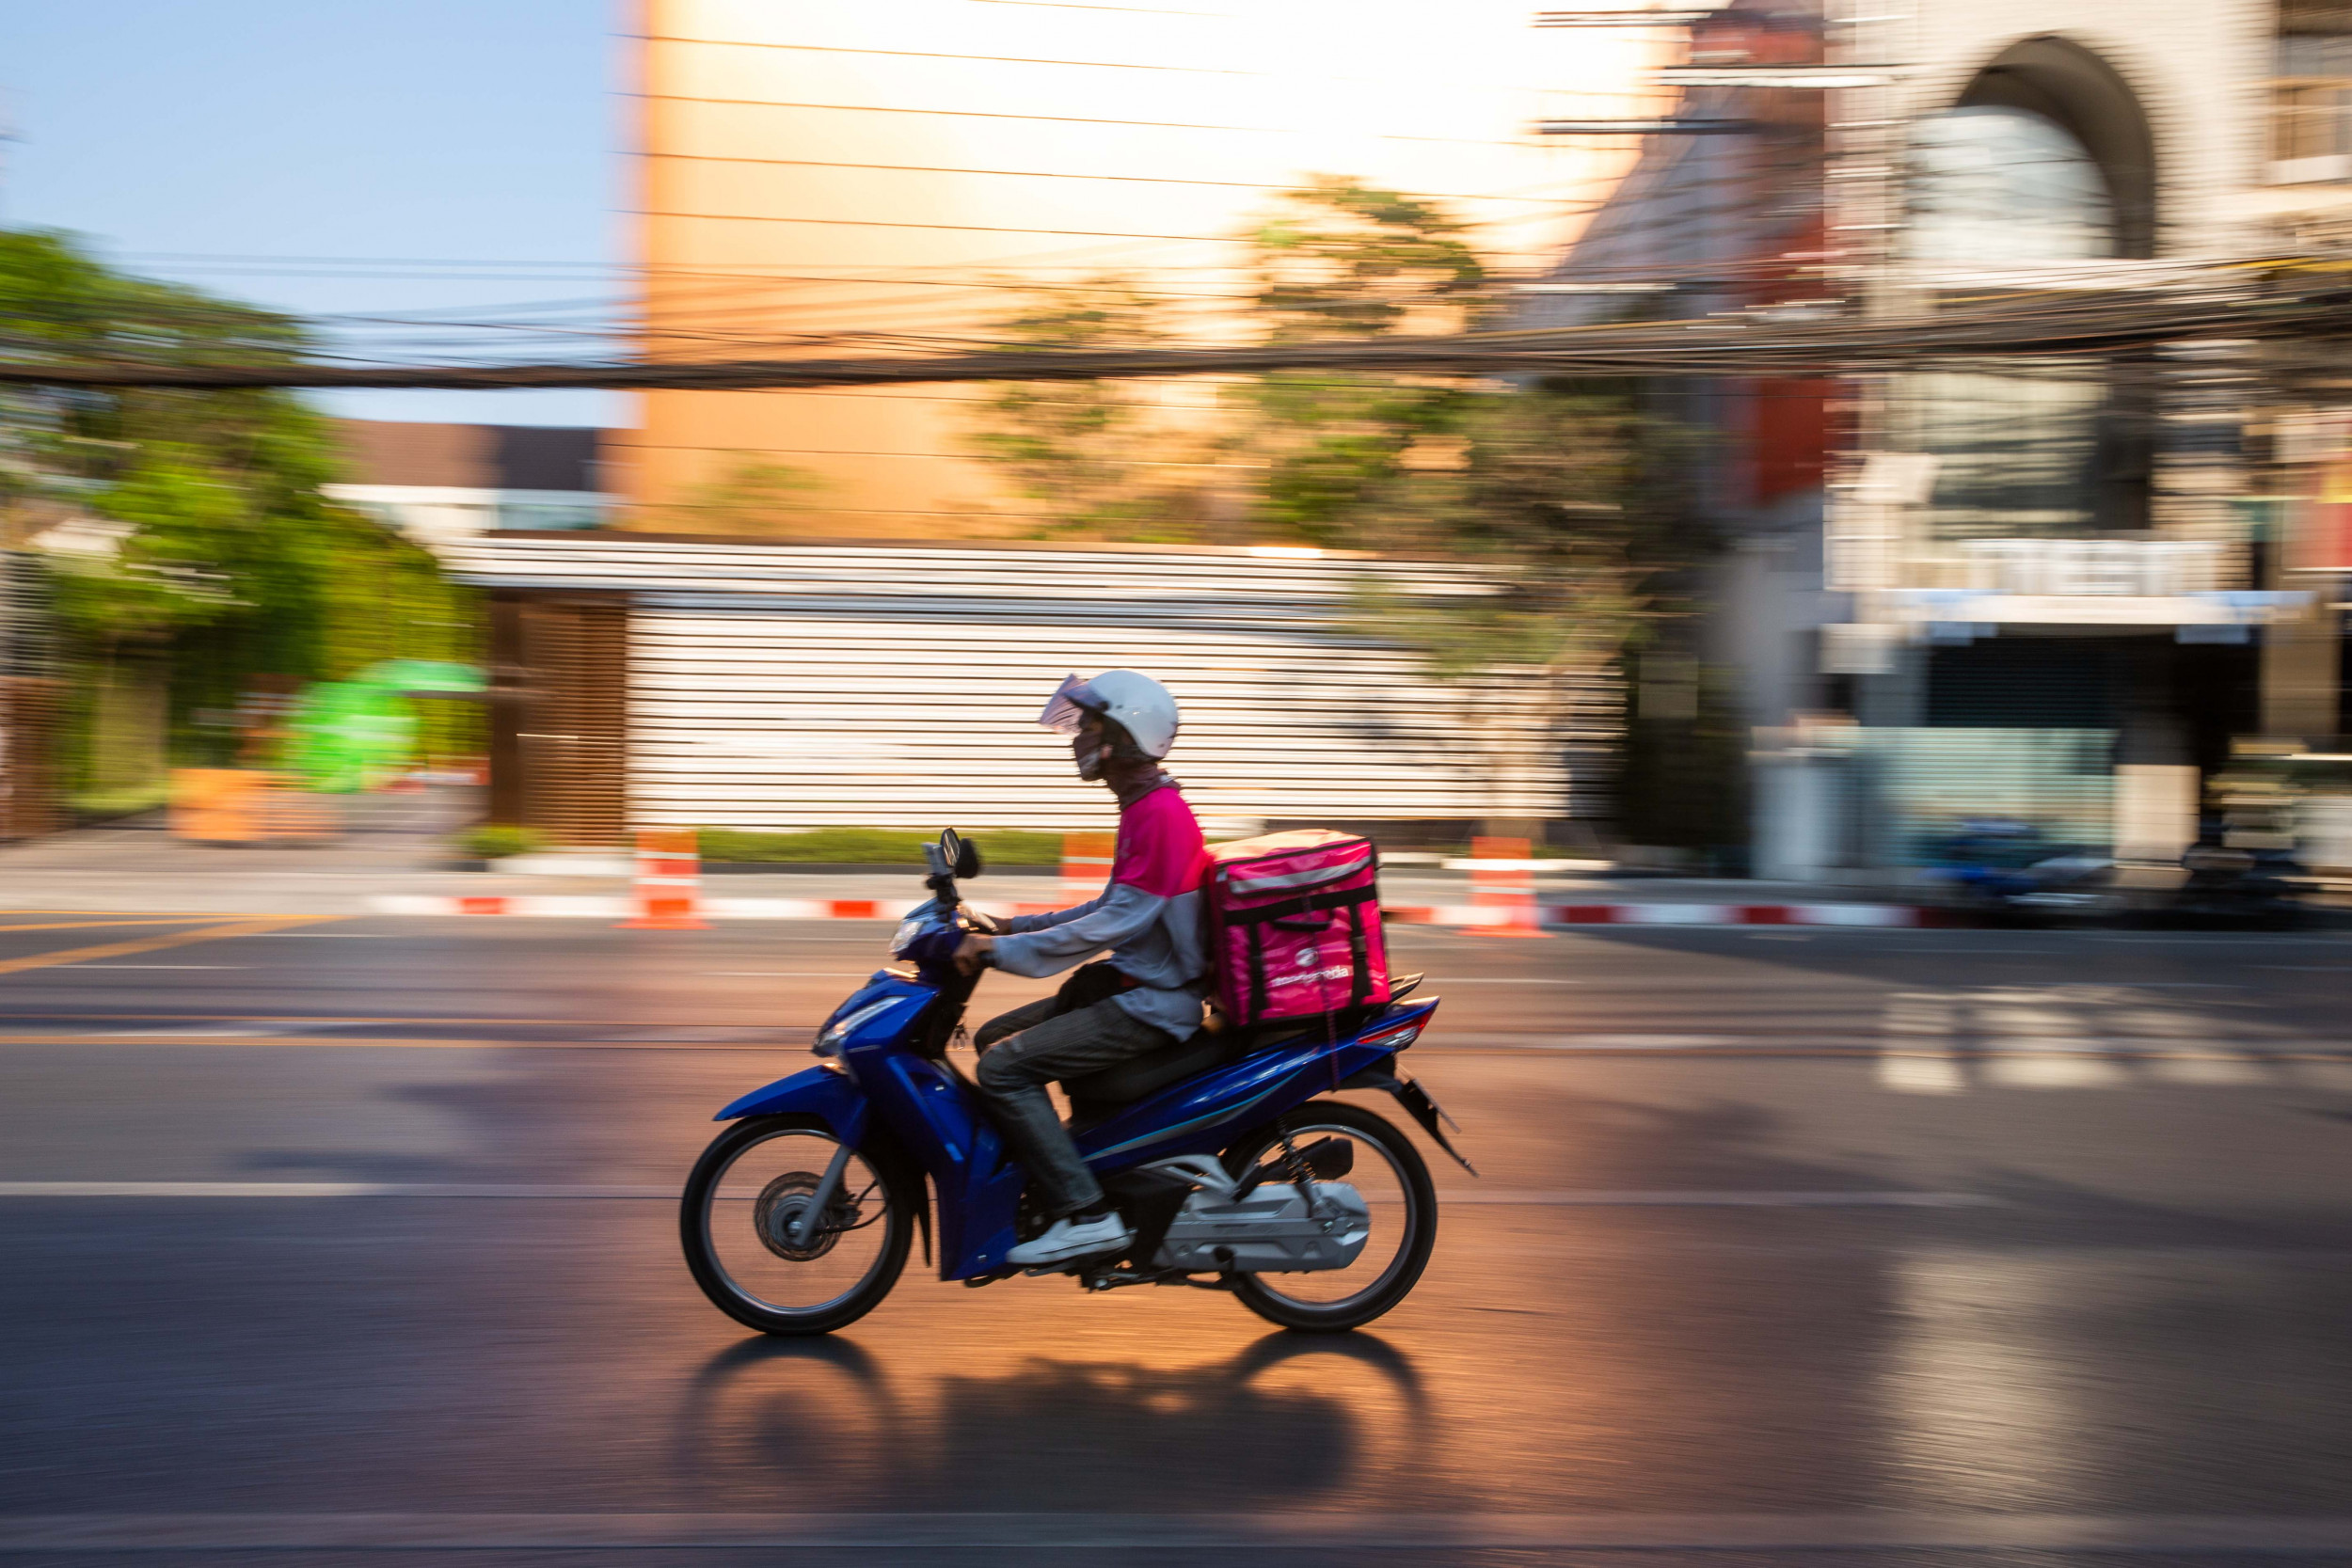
point(798, 1219)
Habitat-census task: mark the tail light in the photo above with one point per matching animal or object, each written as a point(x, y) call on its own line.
point(1396, 1037)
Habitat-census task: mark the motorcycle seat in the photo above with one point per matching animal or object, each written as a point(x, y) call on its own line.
point(1149, 1072)
point(1098, 1093)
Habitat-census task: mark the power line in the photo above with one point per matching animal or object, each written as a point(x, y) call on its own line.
point(2245, 301)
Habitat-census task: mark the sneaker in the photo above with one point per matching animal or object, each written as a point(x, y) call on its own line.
point(1071, 1237)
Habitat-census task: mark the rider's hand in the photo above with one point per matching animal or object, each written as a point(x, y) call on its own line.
point(974, 952)
point(985, 923)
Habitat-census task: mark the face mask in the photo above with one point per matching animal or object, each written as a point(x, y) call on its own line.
point(1089, 750)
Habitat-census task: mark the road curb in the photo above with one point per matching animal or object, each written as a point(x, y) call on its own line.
point(600, 906)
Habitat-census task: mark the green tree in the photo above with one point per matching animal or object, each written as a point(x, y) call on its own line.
point(1336, 258)
point(1096, 459)
point(1343, 259)
point(751, 496)
point(206, 553)
point(1572, 504)
point(1574, 510)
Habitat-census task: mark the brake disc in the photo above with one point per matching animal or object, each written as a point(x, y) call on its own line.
point(783, 1201)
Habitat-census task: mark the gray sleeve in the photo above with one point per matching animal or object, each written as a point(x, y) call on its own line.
point(1055, 917)
point(1122, 914)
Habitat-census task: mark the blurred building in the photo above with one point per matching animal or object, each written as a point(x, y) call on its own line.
point(443, 483)
point(878, 176)
point(2065, 591)
point(644, 681)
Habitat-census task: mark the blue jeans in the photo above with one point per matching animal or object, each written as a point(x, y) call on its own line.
point(1030, 1047)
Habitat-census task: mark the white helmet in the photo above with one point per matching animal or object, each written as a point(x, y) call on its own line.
point(1137, 703)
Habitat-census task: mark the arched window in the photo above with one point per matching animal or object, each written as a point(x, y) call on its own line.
point(1995, 185)
point(2034, 450)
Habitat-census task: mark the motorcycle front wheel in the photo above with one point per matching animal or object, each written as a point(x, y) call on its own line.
point(1388, 1170)
point(735, 1222)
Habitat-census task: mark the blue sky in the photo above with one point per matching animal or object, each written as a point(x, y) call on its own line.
point(437, 130)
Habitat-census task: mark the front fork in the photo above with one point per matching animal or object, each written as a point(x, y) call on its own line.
point(803, 1229)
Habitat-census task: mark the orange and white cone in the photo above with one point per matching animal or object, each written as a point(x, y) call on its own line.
point(669, 879)
point(1503, 879)
point(1086, 863)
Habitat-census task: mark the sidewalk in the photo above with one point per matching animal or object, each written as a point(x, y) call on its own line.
point(389, 843)
point(394, 857)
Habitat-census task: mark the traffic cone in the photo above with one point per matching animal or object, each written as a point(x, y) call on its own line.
point(1508, 884)
point(668, 886)
point(1086, 863)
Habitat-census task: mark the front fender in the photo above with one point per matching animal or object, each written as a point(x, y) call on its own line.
point(816, 1091)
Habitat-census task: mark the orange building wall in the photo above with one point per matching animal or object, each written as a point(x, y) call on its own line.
point(810, 168)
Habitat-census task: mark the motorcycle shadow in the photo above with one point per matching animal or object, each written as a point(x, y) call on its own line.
point(1283, 1419)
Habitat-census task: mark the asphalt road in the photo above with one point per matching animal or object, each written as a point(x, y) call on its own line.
point(341, 1236)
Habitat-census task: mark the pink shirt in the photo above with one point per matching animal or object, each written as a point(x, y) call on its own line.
point(1160, 847)
point(1147, 917)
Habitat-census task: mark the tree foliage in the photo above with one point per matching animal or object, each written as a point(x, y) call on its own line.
point(1343, 260)
point(207, 548)
point(751, 496)
point(1095, 458)
point(1573, 503)
point(1572, 507)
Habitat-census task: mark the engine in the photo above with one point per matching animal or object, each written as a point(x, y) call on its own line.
point(1268, 1230)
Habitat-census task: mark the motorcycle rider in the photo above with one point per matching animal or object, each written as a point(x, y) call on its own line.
point(1146, 996)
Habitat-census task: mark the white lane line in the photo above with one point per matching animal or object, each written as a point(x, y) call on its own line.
point(207, 1031)
point(1908, 1038)
point(1915, 1055)
point(1640, 1042)
point(1731, 1198)
point(2206, 1071)
point(1227, 1529)
point(162, 966)
point(1565, 1198)
point(1432, 985)
point(1928, 1074)
point(2053, 1072)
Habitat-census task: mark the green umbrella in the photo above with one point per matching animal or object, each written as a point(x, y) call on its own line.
point(423, 678)
point(348, 736)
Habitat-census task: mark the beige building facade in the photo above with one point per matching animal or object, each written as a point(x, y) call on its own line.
point(875, 175)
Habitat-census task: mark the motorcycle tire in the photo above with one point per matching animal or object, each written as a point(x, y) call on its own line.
point(1421, 1222)
point(900, 1193)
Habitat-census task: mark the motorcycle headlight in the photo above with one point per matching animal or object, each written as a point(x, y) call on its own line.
point(829, 1043)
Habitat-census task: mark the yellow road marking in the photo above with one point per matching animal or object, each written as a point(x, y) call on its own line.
point(87, 924)
point(398, 1043)
point(140, 917)
point(152, 944)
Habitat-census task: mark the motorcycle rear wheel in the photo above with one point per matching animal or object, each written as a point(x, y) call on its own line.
point(1417, 1217)
point(732, 1212)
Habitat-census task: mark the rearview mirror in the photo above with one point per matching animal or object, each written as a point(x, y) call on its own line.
point(961, 854)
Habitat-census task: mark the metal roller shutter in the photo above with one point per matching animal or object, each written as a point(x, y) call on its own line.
point(793, 686)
